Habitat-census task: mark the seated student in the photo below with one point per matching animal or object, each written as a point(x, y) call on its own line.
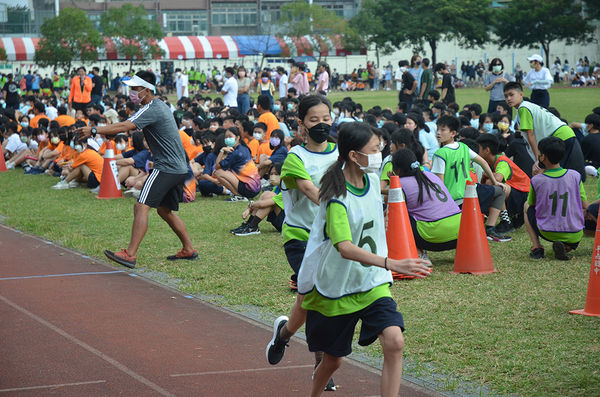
point(248, 135)
point(27, 148)
point(400, 139)
point(435, 220)
point(590, 145)
point(555, 204)
point(278, 154)
point(235, 169)
point(208, 184)
point(207, 140)
point(269, 205)
point(486, 124)
point(134, 184)
point(433, 97)
point(468, 133)
point(132, 161)
point(87, 167)
point(14, 144)
point(264, 148)
point(416, 123)
point(506, 171)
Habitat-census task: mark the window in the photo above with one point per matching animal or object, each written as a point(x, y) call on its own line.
point(234, 14)
point(186, 23)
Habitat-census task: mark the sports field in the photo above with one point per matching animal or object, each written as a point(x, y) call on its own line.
point(510, 331)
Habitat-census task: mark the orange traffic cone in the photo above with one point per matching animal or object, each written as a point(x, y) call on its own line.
point(2, 163)
point(592, 302)
point(109, 186)
point(472, 248)
point(399, 235)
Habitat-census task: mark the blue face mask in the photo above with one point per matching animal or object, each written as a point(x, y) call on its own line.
point(276, 108)
point(290, 106)
point(230, 142)
point(380, 123)
point(488, 127)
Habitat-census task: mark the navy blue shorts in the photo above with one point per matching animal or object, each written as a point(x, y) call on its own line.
point(516, 201)
point(294, 250)
point(333, 335)
point(485, 195)
point(92, 182)
point(276, 220)
point(243, 190)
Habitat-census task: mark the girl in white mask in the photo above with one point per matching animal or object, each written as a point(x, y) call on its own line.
point(351, 264)
point(86, 168)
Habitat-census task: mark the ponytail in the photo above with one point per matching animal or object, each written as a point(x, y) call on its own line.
point(351, 136)
point(405, 163)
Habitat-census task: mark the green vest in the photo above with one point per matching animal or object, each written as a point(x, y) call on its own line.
point(456, 173)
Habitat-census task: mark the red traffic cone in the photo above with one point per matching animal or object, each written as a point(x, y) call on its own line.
point(109, 185)
point(472, 248)
point(2, 163)
point(399, 235)
point(592, 302)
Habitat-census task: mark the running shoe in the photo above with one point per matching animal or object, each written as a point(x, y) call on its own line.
point(276, 348)
point(493, 235)
point(235, 199)
point(505, 227)
point(248, 231)
point(183, 254)
point(122, 257)
point(560, 251)
point(239, 228)
point(61, 186)
point(537, 253)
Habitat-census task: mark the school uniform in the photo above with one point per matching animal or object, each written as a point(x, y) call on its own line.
point(540, 81)
point(204, 186)
point(517, 179)
point(453, 160)
point(241, 164)
point(339, 292)
point(300, 211)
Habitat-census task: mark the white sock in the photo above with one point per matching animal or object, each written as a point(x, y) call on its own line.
point(227, 191)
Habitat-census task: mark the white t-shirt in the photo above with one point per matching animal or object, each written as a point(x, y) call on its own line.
point(541, 80)
point(14, 144)
point(51, 112)
point(398, 76)
point(439, 165)
point(231, 89)
point(283, 83)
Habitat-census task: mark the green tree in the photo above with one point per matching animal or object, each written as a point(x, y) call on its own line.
point(592, 8)
point(533, 23)
point(302, 19)
point(137, 35)
point(414, 23)
point(3, 56)
point(68, 37)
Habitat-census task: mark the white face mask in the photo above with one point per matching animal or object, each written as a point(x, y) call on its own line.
point(101, 125)
point(258, 137)
point(121, 146)
point(375, 161)
point(79, 148)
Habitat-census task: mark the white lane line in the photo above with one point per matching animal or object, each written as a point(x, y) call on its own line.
point(90, 349)
point(243, 370)
point(60, 275)
point(52, 386)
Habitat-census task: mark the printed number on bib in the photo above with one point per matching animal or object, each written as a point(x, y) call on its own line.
point(440, 193)
point(456, 166)
point(367, 240)
point(555, 197)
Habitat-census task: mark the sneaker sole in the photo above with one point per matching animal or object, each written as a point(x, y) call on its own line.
point(499, 240)
point(560, 251)
point(275, 330)
point(188, 258)
point(247, 234)
point(112, 257)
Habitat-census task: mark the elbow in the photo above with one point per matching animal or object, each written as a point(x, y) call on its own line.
point(344, 250)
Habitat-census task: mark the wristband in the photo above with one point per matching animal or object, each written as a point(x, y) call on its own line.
point(385, 263)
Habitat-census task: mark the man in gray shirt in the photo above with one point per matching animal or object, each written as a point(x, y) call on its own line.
point(163, 188)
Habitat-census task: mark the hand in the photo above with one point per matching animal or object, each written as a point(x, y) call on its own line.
point(227, 150)
point(390, 174)
point(410, 267)
point(536, 169)
point(246, 213)
point(150, 165)
point(84, 132)
point(503, 186)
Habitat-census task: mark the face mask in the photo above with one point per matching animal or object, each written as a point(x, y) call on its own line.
point(55, 140)
point(274, 179)
point(134, 96)
point(319, 132)
point(1, 101)
point(502, 127)
point(251, 118)
point(374, 163)
point(206, 149)
point(274, 142)
point(79, 148)
point(121, 146)
point(381, 146)
point(41, 138)
point(265, 79)
point(101, 125)
point(276, 108)
point(497, 69)
point(207, 103)
point(24, 124)
point(336, 112)
point(24, 139)
point(257, 136)
point(72, 145)
point(380, 123)
point(419, 63)
point(402, 69)
point(488, 127)
point(290, 106)
point(230, 142)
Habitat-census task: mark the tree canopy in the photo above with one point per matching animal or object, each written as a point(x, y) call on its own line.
point(138, 36)
point(66, 38)
point(302, 19)
point(541, 22)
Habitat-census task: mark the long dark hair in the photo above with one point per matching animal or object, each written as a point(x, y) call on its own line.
point(236, 132)
point(351, 136)
point(404, 163)
point(310, 101)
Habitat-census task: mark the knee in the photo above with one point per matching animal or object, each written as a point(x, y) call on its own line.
point(334, 362)
point(394, 344)
point(164, 212)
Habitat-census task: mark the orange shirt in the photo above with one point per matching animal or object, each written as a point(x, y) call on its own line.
point(65, 120)
point(264, 148)
point(102, 149)
point(271, 121)
point(34, 121)
point(77, 94)
point(92, 159)
point(41, 146)
point(187, 144)
point(253, 146)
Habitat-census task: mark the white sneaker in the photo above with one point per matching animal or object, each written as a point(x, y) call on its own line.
point(10, 165)
point(96, 190)
point(73, 184)
point(589, 169)
point(61, 185)
point(130, 193)
point(136, 193)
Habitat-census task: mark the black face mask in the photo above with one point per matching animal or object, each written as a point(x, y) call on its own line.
point(319, 132)
point(207, 149)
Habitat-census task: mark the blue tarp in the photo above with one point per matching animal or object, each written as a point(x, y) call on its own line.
point(255, 45)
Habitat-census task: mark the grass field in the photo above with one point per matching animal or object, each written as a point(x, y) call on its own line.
point(510, 331)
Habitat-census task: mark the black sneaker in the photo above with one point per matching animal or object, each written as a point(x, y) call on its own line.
point(493, 235)
point(237, 199)
point(518, 220)
point(276, 348)
point(537, 253)
point(560, 252)
point(249, 230)
point(330, 385)
point(239, 228)
point(505, 227)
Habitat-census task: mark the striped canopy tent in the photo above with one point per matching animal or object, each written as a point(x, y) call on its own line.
point(310, 46)
point(19, 48)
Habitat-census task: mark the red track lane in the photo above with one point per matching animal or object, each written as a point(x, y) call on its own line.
point(75, 326)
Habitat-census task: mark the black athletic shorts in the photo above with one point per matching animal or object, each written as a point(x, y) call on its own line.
point(162, 190)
